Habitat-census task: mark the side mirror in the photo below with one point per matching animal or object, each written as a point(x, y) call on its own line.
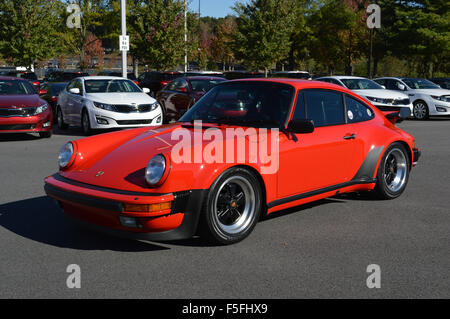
point(401, 87)
point(301, 126)
point(75, 91)
point(146, 90)
point(383, 87)
point(42, 92)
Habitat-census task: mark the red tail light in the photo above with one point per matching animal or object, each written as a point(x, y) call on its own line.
point(163, 83)
point(136, 82)
point(54, 99)
point(36, 83)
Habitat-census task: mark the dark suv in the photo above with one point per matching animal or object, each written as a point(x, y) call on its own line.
point(155, 81)
point(64, 76)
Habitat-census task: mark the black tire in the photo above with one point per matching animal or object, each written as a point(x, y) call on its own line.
point(45, 134)
point(420, 110)
point(232, 207)
point(393, 172)
point(85, 123)
point(60, 119)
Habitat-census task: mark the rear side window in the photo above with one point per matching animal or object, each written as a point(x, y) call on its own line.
point(357, 111)
point(324, 107)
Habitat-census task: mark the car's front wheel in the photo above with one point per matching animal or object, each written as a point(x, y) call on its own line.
point(420, 110)
point(232, 208)
point(86, 123)
point(393, 172)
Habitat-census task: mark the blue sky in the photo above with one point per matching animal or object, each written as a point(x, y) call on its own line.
point(213, 8)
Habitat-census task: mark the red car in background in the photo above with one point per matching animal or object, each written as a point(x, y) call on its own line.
point(179, 95)
point(22, 110)
point(330, 141)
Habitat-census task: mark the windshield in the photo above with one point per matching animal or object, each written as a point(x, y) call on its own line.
point(111, 86)
point(203, 85)
point(245, 104)
point(361, 84)
point(420, 84)
point(14, 87)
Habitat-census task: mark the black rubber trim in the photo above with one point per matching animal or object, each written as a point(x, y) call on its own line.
point(367, 169)
point(64, 195)
point(319, 191)
point(63, 179)
point(416, 155)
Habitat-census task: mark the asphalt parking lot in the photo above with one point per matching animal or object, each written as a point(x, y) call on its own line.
point(318, 250)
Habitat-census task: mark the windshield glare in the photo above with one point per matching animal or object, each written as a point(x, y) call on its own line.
point(14, 87)
point(420, 84)
point(246, 104)
point(361, 84)
point(111, 86)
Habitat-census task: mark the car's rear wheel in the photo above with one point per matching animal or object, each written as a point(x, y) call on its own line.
point(232, 207)
point(60, 119)
point(393, 172)
point(85, 123)
point(420, 110)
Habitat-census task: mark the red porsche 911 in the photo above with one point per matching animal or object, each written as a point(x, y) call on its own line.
point(246, 149)
point(22, 110)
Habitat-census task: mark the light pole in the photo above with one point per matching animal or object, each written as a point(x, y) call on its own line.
point(123, 11)
point(185, 38)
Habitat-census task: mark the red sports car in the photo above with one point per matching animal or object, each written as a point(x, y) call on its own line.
point(247, 148)
point(22, 110)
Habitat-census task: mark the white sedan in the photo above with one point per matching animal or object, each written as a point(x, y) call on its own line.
point(105, 102)
point(385, 100)
point(428, 98)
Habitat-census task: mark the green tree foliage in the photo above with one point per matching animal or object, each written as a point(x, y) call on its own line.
point(158, 29)
point(28, 30)
point(264, 29)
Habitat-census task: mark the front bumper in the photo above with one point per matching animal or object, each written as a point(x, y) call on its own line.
point(439, 108)
point(102, 119)
point(101, 209)
point(32, 124)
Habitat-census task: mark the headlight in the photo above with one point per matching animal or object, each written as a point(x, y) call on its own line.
point(65, 155)
point(103, 106)
point(439, 98)
point(41, 109)
point(155, 169)
point(375, 99)
point(154, 106)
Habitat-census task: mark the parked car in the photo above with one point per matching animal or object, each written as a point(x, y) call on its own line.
point(155, 81)
point(303, 75)
point(427, 98)
point(21, 109)
point(216, 74)
point(180, 94)
point(444, 83)
point(64, 76)
point(101, 102)
point(26, 75)
point(130, 75)
point(378, 95)
point(235, 75)
point(133, 183)
point(49, 91)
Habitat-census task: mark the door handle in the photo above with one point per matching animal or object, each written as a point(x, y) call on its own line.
point(350, 136)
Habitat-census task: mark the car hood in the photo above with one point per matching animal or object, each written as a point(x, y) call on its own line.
point(382, 94)
point(437, 92)
point(121, 98)
point(121, 161)
point(20, 101)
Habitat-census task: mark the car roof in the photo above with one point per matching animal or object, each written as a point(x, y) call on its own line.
point(340, 77)
point(297, 83)
point(102, 77)
point(201, 77)
point(11, 78)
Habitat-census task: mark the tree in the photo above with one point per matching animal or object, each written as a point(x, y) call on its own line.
point(222, 42)
point(28, 30)
point(158, 32)
point(264, 28)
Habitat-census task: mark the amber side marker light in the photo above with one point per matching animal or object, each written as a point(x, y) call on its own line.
point(147, 208)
